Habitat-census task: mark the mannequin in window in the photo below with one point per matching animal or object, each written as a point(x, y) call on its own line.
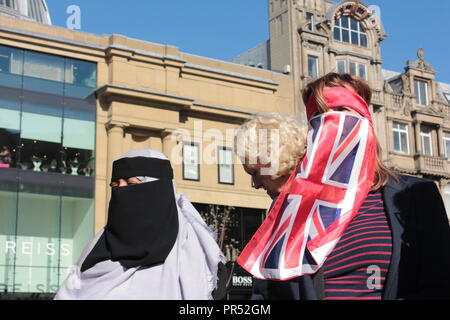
point(5, 156)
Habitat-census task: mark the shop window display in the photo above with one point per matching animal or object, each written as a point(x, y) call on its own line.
point(47, 149)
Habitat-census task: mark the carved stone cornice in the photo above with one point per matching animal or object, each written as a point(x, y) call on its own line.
point(420, 64)
point(116, 124)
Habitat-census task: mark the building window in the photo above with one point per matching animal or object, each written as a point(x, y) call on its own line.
point(447, 97)
point(310, 20)
point(362, 71)
point(8, 3)
point(401, 139)
point(421, 91)
point(225, 165)
point(47, 169)
point(42, 72)
point(191, 161)
point(447, 144)
point(313, 67)
point(341, 66)
point(358, 69)
point(349, 30)
point(427, 142)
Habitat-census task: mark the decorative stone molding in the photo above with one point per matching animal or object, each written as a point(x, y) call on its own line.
point(114, 124)
point(406, 84)
point(407, 107)
point(360, 11)
point(436, 166)
point(420, 64)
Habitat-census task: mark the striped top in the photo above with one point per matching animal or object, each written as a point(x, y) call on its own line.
point(357, 267)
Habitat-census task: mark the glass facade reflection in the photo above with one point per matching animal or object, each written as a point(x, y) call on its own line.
point(47, 148)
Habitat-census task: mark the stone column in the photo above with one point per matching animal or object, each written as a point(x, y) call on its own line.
point(169, 143)
point(440, 142)
point(388, 142)
point(442, 183)
point(172, 148)
point(418, 144)
point(326, 61)
point(116, 132)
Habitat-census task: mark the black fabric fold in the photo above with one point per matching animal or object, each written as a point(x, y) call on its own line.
point(141, 166)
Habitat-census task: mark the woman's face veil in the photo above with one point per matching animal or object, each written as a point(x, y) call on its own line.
point(147, 153)
point(142, 222)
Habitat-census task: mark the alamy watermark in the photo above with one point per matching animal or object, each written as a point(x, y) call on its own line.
point(374, 280)
point(262, 148)
point(73, 22)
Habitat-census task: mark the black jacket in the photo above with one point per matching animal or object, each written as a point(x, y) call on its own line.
point(420, 262)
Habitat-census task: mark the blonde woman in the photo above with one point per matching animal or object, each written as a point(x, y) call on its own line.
point(270, 146)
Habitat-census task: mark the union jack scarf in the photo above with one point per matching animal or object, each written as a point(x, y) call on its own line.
point(322, 195)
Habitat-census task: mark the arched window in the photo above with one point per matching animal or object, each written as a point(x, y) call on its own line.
point(447, 199)
point(348, 29)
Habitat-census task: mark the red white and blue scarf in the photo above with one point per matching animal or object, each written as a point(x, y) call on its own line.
point(322, 195)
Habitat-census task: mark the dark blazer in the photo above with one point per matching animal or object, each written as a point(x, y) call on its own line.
point(420, 262)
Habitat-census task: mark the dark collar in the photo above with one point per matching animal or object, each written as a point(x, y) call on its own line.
point(396, 208)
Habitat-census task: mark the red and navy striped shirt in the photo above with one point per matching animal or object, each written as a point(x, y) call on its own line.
point(357, 267)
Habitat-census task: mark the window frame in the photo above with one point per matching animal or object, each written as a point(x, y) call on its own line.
point(12, 3)
point(424, 135)
point(222, 148)
point(338, 25)
point(309, 17)
point(446, 138)
point(365, 71)
point(191, 144)
point(316, 59)
point(447, 199)
point(358, 66)
point(345, 65)
point(447, 97)
point(400, 131)
point(418, 94)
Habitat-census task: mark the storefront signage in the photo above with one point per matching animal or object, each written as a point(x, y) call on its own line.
point(30, 248)
point(242, 281)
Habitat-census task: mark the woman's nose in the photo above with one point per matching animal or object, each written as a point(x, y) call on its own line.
point(256, 184)
point(123, 183)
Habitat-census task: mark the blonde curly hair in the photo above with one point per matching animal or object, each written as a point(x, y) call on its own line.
point(272, 139)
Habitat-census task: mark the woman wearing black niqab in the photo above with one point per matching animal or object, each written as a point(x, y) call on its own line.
point(154, 246)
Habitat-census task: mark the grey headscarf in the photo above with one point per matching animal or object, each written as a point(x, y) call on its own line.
point(189, 272)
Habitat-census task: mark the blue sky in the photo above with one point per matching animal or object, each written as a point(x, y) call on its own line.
point(222, 29)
